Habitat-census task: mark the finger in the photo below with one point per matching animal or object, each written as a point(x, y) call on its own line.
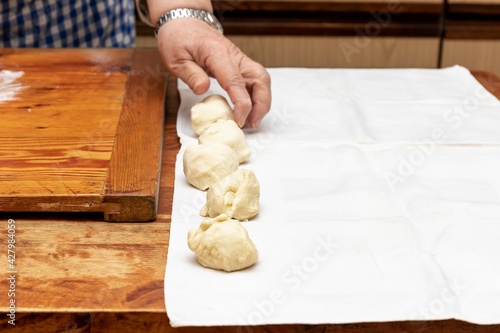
point(227, 72)
point(239, 96)
point(193, 75)
point(242, 105)
point(261, 97)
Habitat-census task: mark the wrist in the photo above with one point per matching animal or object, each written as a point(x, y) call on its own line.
point(159, 7)
point(180, 13)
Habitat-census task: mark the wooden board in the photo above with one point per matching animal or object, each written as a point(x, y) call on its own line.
point(84, 132)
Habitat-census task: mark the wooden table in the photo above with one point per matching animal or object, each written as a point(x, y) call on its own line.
point(77, 273)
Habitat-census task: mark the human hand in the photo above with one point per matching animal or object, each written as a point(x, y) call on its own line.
point(192, 50)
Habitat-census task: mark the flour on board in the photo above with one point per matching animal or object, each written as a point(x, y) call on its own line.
point(8, 85)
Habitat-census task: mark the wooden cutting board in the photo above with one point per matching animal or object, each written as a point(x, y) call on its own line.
point(81, 131)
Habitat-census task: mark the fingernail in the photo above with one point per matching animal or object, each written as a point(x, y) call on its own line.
point(240, 123)
point(195, 87)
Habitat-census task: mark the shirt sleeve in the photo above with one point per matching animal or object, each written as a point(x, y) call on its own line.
point(142, 10)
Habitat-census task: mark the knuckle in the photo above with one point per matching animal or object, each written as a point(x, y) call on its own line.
point(264, 77)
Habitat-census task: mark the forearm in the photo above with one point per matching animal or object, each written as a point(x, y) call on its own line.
point(160, 7)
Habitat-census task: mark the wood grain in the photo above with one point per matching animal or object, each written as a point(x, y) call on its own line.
point(103, 322)
point(472, 20)
point(299, 20)
point(475, 2)
point(472, 29)
point(324, 5)
point(473, 54)
point(75, 125)
point(329, 18)
point(134, 169)
point(54, 158)
point(471, 8)
point(342, 52)
point(79, 274)
point(489, 80)
point(324, 17)
point(49, 323)
point(78, 263)
point(57, 137)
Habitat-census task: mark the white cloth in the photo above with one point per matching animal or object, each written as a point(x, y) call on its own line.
point(380, 201)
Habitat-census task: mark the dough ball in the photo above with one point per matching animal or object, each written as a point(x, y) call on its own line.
point(205, 164)
point(208, 111)
point(229, 133)
point(222, 243)
point(236, 195)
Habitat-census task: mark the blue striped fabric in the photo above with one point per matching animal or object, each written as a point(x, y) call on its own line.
point(67, 23)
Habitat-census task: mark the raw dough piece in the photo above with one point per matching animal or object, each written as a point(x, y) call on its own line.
point(222, 243)
point(208, 111)
point(229, 133)
point(205, 164)
point(236, 195)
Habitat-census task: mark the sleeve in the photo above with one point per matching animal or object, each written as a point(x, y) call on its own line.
point(142, 10)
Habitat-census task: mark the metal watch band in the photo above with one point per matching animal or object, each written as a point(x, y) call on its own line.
point(188, 12)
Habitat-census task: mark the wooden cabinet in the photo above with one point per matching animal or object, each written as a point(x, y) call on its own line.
point(339, 51)
point(298, 33)
point(472, 34)
point(473, 54)
point(363, 33)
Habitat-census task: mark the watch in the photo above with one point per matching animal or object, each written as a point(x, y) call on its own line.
point(200, 14)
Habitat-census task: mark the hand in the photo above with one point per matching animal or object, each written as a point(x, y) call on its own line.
point(192, 50)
